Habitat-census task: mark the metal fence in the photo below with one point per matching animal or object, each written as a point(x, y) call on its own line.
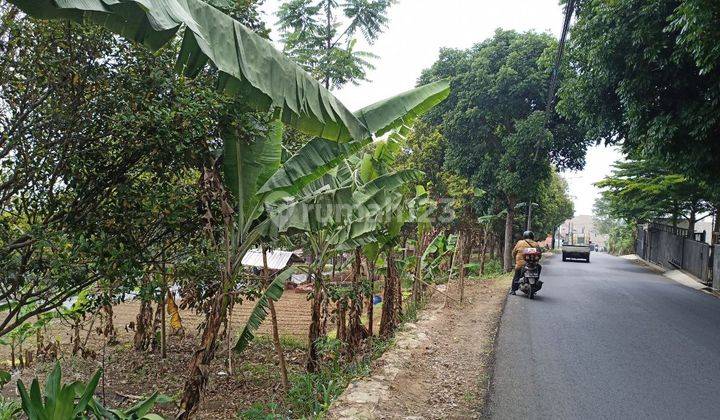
point(671, 248)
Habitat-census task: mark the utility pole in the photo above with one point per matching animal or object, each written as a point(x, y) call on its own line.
point(550, 103)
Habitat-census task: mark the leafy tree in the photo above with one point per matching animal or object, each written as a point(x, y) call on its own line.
point(321, 35)
point(98, 161)
point(498, 135)
point(620, 233)
point(643, 189)
point(648, 79)
point(554, 205)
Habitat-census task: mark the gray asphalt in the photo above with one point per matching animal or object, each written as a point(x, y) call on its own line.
point(608, 340)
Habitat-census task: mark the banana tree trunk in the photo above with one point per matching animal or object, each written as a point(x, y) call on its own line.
point(156, 332)
point(109, 329)
point(389, 318)
point(200, 364)
point(417, 289)
point(341, 324)
point(356, 331)
point(316, 322)
point(275, 331)
point(143, 326)
point(371, 306)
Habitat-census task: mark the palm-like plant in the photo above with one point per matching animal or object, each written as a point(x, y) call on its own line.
point(249, 67)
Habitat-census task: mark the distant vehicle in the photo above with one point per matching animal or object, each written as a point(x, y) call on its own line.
point(576, 252)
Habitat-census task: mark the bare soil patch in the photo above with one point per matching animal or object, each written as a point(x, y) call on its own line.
point(440, 367)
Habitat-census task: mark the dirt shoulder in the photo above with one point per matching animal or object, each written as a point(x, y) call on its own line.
point(440, 366)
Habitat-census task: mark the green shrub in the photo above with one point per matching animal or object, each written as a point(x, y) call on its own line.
point(9, 409)
point(75, 401)
point(4, 378)
point(493, 267)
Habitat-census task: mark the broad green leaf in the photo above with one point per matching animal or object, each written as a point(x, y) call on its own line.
point(143, 407)
point(88, 394)
point(248, 65)
point(248, 165)
point(319, 156)
point(274, 291)
point(310, 163)
point(401, 110)
point(52, 387)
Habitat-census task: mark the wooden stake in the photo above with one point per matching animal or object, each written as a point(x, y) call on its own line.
point(276, 333)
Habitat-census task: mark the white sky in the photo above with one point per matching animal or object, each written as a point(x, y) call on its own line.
point(419, 28)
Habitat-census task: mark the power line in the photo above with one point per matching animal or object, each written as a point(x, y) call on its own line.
point(550, 103)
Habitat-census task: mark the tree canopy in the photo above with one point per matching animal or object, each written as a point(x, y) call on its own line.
point(497, 132)
point(321, 35)
point(648, 79)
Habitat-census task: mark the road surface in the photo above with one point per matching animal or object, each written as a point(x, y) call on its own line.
point(610, 340)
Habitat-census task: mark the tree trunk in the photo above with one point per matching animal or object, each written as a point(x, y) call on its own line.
point(200, 363)
point(278, 347)
point(143, 326)
point(387, 320)
point(356, 331)
point(276, 333)
point(340, 324)
point(463, 242)
point(156, 333)
point(507, 254)
point(483, 250)
point(417, 289)
point(315, 330)
point(371, 306)
point(109, 330)
point(691, 223)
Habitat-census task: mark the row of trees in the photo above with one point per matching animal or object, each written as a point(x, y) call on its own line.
point(119, 176)
point(648, 79)
point(492, 146)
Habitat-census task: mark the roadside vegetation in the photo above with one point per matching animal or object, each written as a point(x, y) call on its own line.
point(145, 150)
point(647, 81)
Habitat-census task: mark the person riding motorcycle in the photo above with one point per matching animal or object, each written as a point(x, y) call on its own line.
point(528, 241)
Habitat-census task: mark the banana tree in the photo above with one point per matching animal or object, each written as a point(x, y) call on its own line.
point(248, 67)
point(259, 184)
point(321, 174)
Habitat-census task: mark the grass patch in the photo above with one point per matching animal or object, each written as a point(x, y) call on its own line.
point(312, 394)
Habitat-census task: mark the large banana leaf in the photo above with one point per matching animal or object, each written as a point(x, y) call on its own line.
point(248, 64)
point(341, 207)
point(318, 156)
point(248, 165)
point(403, 109)
point(311, 162)
point(257, 316)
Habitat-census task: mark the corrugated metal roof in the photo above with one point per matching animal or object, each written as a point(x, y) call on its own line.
point(277, 260)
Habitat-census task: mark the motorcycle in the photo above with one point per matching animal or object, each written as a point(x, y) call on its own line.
point(530, 282)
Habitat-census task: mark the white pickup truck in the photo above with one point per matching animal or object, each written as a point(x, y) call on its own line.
point(576, 252)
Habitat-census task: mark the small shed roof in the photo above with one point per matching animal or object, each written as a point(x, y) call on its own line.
point(277, 259)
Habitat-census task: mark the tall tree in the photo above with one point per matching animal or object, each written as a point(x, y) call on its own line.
point(554, 204)
point(321, 35)
point(648, 78)
point(90, 142)
point(494, 119)
point(643, 189)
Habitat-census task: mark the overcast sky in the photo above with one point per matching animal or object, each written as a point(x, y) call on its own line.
point(419, 28)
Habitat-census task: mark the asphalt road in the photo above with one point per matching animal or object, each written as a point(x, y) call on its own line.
point(608, 340)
